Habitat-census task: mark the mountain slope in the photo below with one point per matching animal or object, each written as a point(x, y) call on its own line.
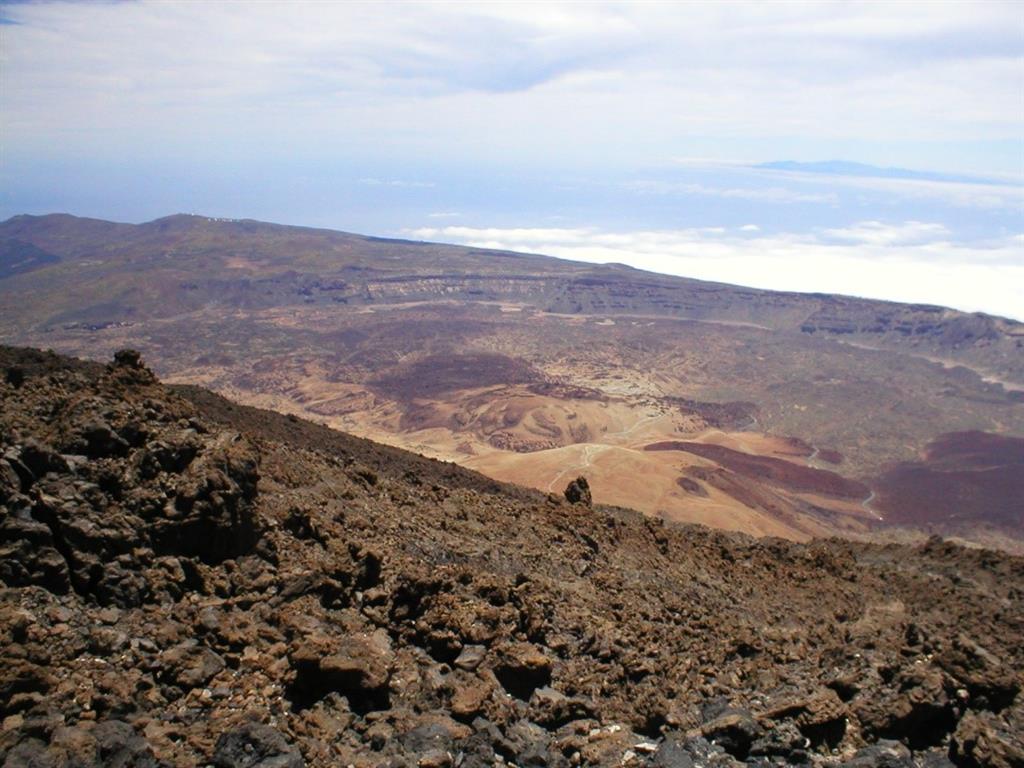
point(528, 368)
point(192, 582)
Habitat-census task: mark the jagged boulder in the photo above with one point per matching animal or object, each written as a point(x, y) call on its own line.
point(987, 680)
point(984, 739)
point(356, 666)
point(522, 668)
point(189, 665)
point(578, 492)
point(211, 514)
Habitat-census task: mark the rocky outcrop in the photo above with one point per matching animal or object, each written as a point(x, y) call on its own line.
point(221, 586)
point(114, 484)
point(578, 492)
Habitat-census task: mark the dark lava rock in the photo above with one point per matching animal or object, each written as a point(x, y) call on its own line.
point(821, 717)
point(22, 682)
point(15, 376)
point(522, 668)
point(91, 527)
point(119, 746)
point(783, 741)
point(734, 730)
point(212, 512)
point(578, 492)
point(427, 738)
point(219, 584)
point(28, 555)
point(254, 745)
point(985, 677)
point(677, 751)
point(40, 459)
point(987, 740)
point(110, 744)
point(97, 439)
point(672, 753)
point(470, 657)
point(356, 666)
point(128, 358)
point(884, 754)
point(552, 709)
point(917, 709)
point(189, 665)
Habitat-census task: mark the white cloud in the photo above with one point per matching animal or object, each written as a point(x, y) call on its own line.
point(879, 233)
point(910, 261)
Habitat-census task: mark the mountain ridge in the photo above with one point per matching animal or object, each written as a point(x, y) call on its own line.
point(8, 228)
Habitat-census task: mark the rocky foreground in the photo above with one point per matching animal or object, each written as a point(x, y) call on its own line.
point(190, 582)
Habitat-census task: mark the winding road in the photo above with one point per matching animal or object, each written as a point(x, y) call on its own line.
point(592, 449)
point(589, 449)
point(865, 503)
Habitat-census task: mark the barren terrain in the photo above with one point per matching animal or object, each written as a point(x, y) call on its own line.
point(803, 415)
point(185, 581)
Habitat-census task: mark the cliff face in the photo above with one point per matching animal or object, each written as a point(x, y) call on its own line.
point(189, 581)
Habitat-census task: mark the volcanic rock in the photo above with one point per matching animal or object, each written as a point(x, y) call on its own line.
point(522, 668)
point(224, 586)
point(578, 492)
point(355, 666)
point(189, 665)
point(986, 739)
point(254, 745)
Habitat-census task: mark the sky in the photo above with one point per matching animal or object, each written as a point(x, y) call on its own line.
point(873, 149)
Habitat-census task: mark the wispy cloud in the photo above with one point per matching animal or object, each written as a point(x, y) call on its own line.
point(904, 261)
point(948, 189)
point(760, 194)
point(863, 170)
point(879, 233)
point(401, 183)
point(822, 182)
point(981, 196)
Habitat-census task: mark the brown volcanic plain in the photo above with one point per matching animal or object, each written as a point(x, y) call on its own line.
point(784, 414)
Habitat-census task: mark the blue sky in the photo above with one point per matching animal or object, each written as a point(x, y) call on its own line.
point(629, 132)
